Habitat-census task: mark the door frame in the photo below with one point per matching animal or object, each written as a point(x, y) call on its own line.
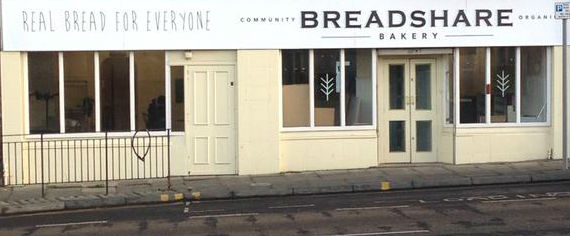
point(235, 113)
point(383, 103)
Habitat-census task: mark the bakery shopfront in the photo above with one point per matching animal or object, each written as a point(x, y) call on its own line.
point(248, 87)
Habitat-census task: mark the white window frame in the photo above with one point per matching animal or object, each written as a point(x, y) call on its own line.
point(488, 122)
point(343, 126)
point(98, 132)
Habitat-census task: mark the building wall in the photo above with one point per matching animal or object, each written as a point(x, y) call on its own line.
point(258, 111)
point(327, 150)
point(13, 93)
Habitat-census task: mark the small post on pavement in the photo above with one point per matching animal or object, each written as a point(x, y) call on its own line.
point(562, 11)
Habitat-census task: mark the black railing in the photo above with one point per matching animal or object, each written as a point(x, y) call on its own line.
point(44, 158)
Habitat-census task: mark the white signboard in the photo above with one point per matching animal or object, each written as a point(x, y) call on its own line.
point(562, 10)
point(69, 25)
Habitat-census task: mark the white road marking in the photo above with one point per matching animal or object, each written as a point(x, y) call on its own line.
point(521, 200)
point(204, 211)
point(292, 206)
point(226, 215)
point(186, 210)
point(371, 208)
point(383, 233)
point(72, 224)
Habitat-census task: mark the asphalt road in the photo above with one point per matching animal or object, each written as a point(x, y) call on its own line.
point(537, 209)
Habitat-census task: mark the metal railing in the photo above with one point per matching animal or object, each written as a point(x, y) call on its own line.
point(47, 158)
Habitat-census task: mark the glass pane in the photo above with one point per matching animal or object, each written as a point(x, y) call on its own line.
point(472, 85)
point(177, 97)
point(149, 86)
point(358, 86)
point(327, 87)
point(423, 135)
point(43, 79)
point(79, 91)
point(534, 105)
point(397, 136)
point(296, 92)
point(449, 80)
point(423, 87)
point(397, 87)
point(503, 86)
point(115, 98)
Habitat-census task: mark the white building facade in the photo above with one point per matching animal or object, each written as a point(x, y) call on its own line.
point(257, 87)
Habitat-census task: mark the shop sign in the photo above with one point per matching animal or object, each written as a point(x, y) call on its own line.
point(69, 25)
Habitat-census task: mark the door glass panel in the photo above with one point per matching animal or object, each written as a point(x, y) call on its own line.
point(423, 135)
point(423, 87)
point(397, 136)
point(397, 89)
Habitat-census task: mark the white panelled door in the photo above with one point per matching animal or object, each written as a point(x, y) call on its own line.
point(210, 123)
point(407, 120)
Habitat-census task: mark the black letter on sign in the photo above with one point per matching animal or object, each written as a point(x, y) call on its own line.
point(391, 18)
point(484, 17)
point(418, 16)
point(25, 21)
point(333, 17)
point(502, 17)
point(351, 17)
point(312, 18)
point(374, 19)
point(434, 18)
point(461, 18)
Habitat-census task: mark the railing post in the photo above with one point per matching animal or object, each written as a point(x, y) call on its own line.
point(106, 165)
point(168, 155)
point(42, 160)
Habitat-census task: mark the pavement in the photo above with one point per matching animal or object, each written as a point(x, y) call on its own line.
point(27, 199)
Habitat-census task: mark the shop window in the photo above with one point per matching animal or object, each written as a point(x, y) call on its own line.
point(358, 87)
point(150, 102)
point(472, 85)
point(534, 103)
point(295, 72)
point(79, 89)
point(327, 87)
point(503, 85)
point(177, 97)
point(43, 83)
point(115, 99)
point(341, 91)
point(505, 80)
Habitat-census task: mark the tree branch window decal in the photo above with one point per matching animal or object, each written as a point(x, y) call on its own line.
point(503, 82)
point(327, 85)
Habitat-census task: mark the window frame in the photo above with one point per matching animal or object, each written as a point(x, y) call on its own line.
point(98, 132)
point(488, 123)
point(342, 126)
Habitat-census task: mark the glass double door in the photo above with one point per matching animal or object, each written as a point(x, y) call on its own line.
point(407, 119)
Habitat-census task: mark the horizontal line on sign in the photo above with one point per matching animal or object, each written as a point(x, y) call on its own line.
point(220, 216)
point(371, 208)
point(345, 37)
point(292, 206)
point(469, 35)
point(521, 200)
point(383, 233)
point(71, 224)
